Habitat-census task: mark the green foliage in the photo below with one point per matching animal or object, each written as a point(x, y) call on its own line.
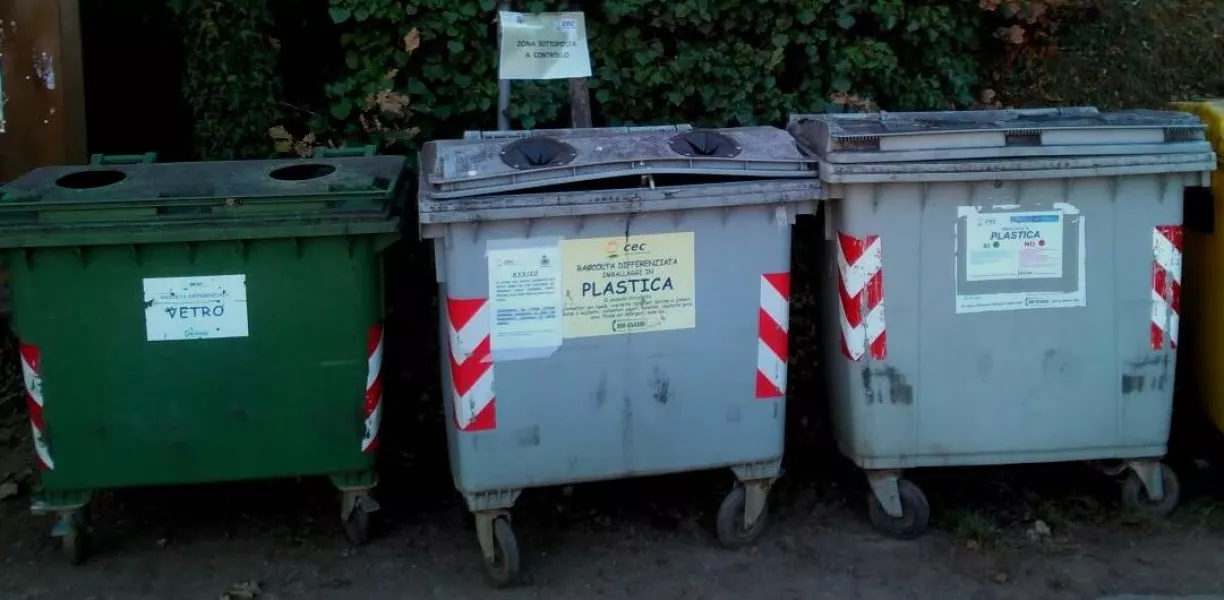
point(229, 81)
point(405, 70)
point(727, 61)
point(721, 62)
point(1118, 54)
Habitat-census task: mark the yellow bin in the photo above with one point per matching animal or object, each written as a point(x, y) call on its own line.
point(1202, 301)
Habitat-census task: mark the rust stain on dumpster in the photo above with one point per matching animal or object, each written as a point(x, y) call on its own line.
point(1151, 373)
point(662, 385)
point(897, 388)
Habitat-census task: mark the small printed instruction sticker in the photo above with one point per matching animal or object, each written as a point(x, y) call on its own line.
point(1016, 260)
point(525, 293)
point(195, 308)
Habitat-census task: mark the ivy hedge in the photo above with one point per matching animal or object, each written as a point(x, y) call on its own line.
point(396, 69)
point(230, 82)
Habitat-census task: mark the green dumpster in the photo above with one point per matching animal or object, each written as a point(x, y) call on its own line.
point(200, 322)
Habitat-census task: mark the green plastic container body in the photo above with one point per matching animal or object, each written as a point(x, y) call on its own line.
point(131, 396)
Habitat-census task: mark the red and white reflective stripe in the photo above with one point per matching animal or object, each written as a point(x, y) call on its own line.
point(1166, 284)
point(773, 327)
point(373, 392)
point(31, 370)
point(860, 265)
point(471, 363)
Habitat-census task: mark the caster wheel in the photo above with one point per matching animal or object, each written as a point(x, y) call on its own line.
point(75, 542)
point(357, 526)
point(916, 513)
point(1135, 496)
point(730, 523)
point(506, 566)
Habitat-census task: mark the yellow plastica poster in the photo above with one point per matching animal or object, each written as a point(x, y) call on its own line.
point(628, 284)
point(543, 46)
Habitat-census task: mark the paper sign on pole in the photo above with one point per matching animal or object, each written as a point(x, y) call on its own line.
point(543, 46)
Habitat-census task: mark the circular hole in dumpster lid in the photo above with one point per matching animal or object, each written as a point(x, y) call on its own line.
point(87, 180)
point(705, 143)
point(304, 172)
point(535, 152)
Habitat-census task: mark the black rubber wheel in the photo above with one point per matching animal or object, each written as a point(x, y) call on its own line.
point(730, 523)
point(357, 526)
point(507, 565)
point(75, 543)
point(916, 513)
point(1135, 496)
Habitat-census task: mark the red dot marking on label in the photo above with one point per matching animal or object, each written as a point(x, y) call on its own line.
point(1040, 242)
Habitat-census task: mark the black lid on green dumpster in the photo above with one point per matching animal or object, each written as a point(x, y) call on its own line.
point(201, 200)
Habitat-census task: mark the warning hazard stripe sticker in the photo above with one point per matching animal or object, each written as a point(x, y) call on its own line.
point(31, 370)
point(1166, 285)
point(372, 408)
point(471, 363)
point(773, 326)
point(860, 265)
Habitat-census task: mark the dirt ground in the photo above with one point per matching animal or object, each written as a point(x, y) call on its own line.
point(633, 539)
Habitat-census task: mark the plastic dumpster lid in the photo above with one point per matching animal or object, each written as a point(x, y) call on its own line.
point(952, 135)
point(496, 162)
point(203, 191)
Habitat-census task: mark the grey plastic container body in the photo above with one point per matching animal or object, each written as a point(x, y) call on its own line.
point(617, 404)
point(635, 404)
point(947, 364)
point(1020, 386)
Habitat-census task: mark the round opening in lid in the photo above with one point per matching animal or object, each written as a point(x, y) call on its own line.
point(303, 172)
point(705, 143)
point(537, 151)
point(88, 180)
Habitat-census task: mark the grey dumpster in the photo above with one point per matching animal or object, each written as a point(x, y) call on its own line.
point(1003, 288)
point(614, 303)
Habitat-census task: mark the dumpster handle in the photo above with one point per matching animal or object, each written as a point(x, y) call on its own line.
point(493, 135)
point(345, 151)
point(123, 159)
point(1199, 209)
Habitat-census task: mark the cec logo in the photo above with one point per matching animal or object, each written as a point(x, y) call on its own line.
point(614, 248)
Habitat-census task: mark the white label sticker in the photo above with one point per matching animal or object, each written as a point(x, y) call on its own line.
point(195, 308)
point(1020, 260)
point(525, 297)
point(1024, 245)
point(543, 46)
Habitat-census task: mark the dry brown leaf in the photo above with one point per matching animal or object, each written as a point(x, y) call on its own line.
point(412, 40)
point(389, 101)
point(243, 590)
point(1011, 35)
point(1035, 11)
point(281, 140)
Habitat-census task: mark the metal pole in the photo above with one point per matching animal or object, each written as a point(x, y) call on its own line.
point(503, 85)
point(580, 94)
